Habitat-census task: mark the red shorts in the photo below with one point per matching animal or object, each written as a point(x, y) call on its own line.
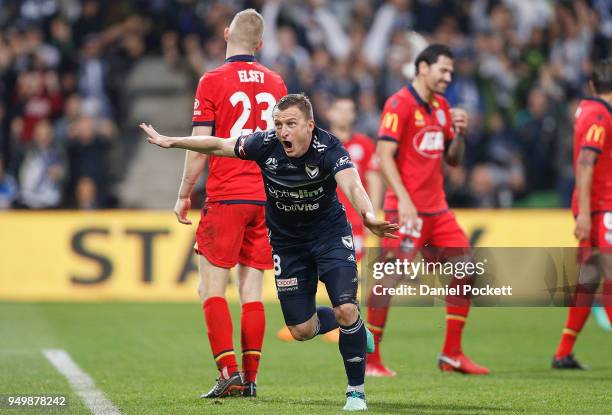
point(601, 235)
point(440, 230)
point(230, 234)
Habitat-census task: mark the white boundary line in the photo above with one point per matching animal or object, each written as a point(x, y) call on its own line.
point(81, 382)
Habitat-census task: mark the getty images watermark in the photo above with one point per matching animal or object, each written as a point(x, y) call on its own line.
point(404, 269)
point(487, 276)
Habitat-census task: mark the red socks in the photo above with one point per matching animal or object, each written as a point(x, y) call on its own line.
point(577, 316)
point(455, 321)
point(377, 317)
point(253, 328)
point(219, 325)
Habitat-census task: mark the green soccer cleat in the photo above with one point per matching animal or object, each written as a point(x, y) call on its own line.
point(355, 401)
point(370, 346)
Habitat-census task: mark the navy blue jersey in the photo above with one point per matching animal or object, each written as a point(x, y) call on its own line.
point(302, 202)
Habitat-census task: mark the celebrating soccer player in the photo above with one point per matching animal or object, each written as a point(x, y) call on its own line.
point(417, 130)
point(362, 150)
point(234, 99)
point(592, 207)
point(311, 238)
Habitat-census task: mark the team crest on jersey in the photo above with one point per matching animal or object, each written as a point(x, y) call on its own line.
point(347, 241)
point(429, 142)
point(441, 116)
point(311, 171)
point(419, 120)
point(271, 164)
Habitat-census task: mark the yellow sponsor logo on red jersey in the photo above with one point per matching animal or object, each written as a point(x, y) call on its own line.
point(390, 121)
point(595, 134)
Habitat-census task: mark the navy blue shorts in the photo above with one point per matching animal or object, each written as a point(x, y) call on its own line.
point(298, 268)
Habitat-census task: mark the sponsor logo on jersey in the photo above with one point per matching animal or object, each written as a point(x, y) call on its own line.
point(241, 151)
point(347, 241)
point(429, 142)
point(311, 171)
point(351, 258)
point(294, 194)
point(286, 284)
point(607, 220)
point(297, 208)
point(595, 134)
point(342, 161)
point(419, 120)
point(608, 237)
point(196, 105)
point(271, 164)
point(390, 121)
point(441, 116)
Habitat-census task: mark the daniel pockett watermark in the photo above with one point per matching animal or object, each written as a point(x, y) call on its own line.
point(487, 276)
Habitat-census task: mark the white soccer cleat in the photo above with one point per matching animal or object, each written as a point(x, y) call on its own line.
point(355, 401)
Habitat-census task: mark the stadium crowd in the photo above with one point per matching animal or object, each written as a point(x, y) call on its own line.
point(520, 68)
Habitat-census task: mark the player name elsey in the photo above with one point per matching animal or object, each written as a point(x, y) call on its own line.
point(411, 290)
point(251, 76)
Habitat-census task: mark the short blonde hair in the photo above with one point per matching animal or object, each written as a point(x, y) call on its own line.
point(246, 29)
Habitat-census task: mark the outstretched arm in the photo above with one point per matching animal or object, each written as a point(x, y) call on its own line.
point(350, 183)
point(202, 144)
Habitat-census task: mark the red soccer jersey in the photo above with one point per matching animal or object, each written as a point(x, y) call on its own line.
point(363, 153)
point(236, 98)
point(593, 130)
point(421, 130)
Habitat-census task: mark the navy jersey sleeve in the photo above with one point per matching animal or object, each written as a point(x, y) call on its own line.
point(253, 146)
point(337, 159)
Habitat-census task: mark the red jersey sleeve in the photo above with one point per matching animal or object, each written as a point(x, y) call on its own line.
point(204, 105)
point(391, 121)
point(592, 128)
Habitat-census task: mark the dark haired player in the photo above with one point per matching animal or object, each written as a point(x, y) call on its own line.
point(417, 131)
point(310, 235)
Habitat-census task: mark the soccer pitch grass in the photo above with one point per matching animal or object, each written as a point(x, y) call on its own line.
point(155, 359)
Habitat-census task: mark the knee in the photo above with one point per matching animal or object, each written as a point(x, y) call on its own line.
point(301, 332)
point(346, 314)
point(202, 292)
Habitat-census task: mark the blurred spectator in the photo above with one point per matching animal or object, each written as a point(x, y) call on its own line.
point(66, 61)
point(86, 197)
point(8, 188)
point(87, 149)
point(537, 129)
point(42, 171)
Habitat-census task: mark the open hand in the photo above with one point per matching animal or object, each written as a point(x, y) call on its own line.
point(380, 227)
point(156, 138)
